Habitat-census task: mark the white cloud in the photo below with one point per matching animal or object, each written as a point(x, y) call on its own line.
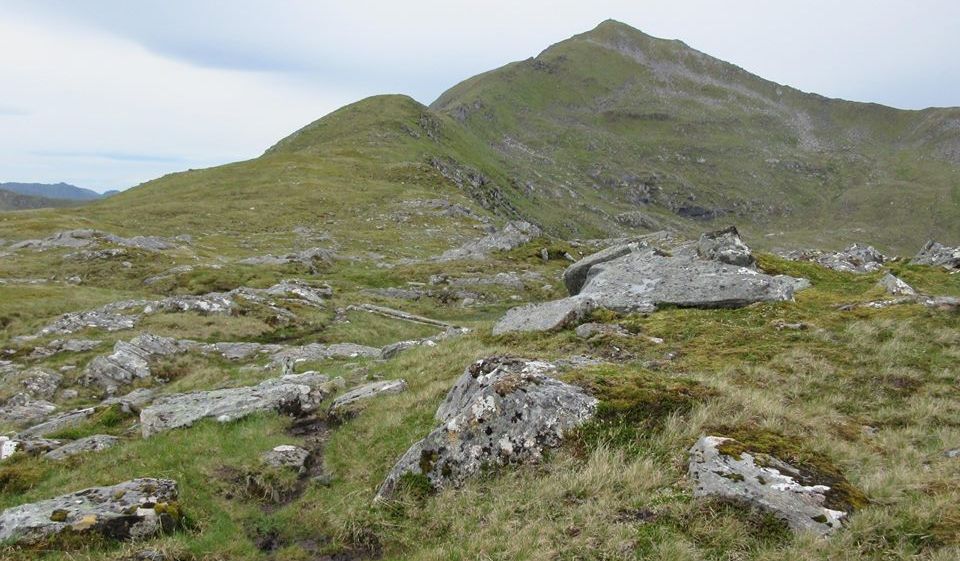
point(89, 86)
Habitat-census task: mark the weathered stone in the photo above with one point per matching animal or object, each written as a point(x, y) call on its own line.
point(64, 346)
point(287, 456)
point(576, 275)
point(69, 238)
point(936, 254)
point(588, 330)
point(93, 255)
point(764, 482)
point(895, 286)
point(725, 246)
point(311, 258)
point(10, 446)
point(513, 234)
point(130, 361)
point(292, 394)
point(368, 391)
point(40, 383)
point(169, 273)
point(95, 443)
point(107, 318)
point(57, 423)
point(547, 316)
point(134, 509)
point(315, 352)
point(241, 350)
point(133, 402)
point(501, 411)
point(23, 410)
point(394, 349)
point(854, 259)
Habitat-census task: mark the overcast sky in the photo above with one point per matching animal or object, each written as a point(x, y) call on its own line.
point(107, 94)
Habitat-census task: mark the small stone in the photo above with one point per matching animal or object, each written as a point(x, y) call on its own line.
point(287, 456)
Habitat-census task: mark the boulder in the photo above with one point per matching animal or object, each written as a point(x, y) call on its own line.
point(130, 361)
point(94, 443)
point(854, 259)
point(40, 383)
point(765, 482)
point(501, 411)
point(367, 391)
point(287, 456)
point(111, 317)
point(936, 254)
point(725, 246)
point(134, 509)
point(22, 409)
point(576, 275)
point(513, 234)
point(895, 286)
point(57, 423)
point(293, 394)
point(10, 446)
point(64, 345)
point(547, 316)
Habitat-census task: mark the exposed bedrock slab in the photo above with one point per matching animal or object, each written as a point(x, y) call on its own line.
point(367, 391)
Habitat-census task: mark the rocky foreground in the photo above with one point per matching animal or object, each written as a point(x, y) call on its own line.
point(599, 372)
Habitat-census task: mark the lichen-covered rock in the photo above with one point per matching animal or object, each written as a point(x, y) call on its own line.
point(94, 443)
point(936, 254)
point(513, 234)
point(10, 446)
point(315, 352)
point(40, 383)
point(22, 409)
point(111, 317)
point(57, 423)
point(576, 275)
point(854, 259)
point(130, 361)
point(546, 316)
point(63, 346)
point(501, 411)
point(896, 286)
point(134, 509)
point(725, 246)
point(287, 456)
point(293, 394)
point(765, 482)
point(367, 391)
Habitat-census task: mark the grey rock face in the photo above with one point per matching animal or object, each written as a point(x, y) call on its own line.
point(94, 443)
point(123, 511)
point(895, 286)
point(69, 238)
point(315, 352)
point(576, 275)
point(854, 259)
point(130, 361)
point(725, 246)
point(64, 346)
point(40, 383)
point(108, 318)
point(547, 316)
point(287, 456)
point(292, 394)
point(501, 411)
point(10, 446)
point(936, 254)
point(771, 485)
point(368, 391)
point(57, 423)
point(23, 410)
point(513, 234)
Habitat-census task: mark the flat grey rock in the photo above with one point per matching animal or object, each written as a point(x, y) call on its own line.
point(57, 423)
point(287, 456)
point(128, 510)
point(315, 352)
point(368, 391)
point(23, 409)
point(10, 446)
point(64, 346)
point(895, 286)
point(95, 443)
point(576, 275)
point(546, 316)
point(293, 394)
point(40, 383)
point(770, 485)
point(130, 361)
point(501, 411)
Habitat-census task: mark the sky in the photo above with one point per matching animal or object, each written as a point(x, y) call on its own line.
point(107, 94)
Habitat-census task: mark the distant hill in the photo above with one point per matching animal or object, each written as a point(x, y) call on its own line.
point(17, 201)
point(52, 191)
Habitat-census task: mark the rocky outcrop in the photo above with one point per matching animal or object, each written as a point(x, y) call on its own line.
point(57, 423)
point(547, 316)
point(64, 346)
point(40, 383)
point(896, 287)
point(501, 411)
point(725, 246)
point(765, 482)
point(95, 443)
point(293, 394)
point(287, 456)
point(316, 352)
point(22, 409)
point(311, 258)
point(111, 317)
point(367, 391)
point(134, 509)
point(635, 278)
point(854, 259)
point(394, 349)
point(10, 446)
point(936, 254)
point(130, 361)
point(513, 234)
point(85, 238)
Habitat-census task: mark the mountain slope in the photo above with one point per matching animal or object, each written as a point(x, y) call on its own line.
point(615, 121)
point(52, 191)
point(10, 200)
